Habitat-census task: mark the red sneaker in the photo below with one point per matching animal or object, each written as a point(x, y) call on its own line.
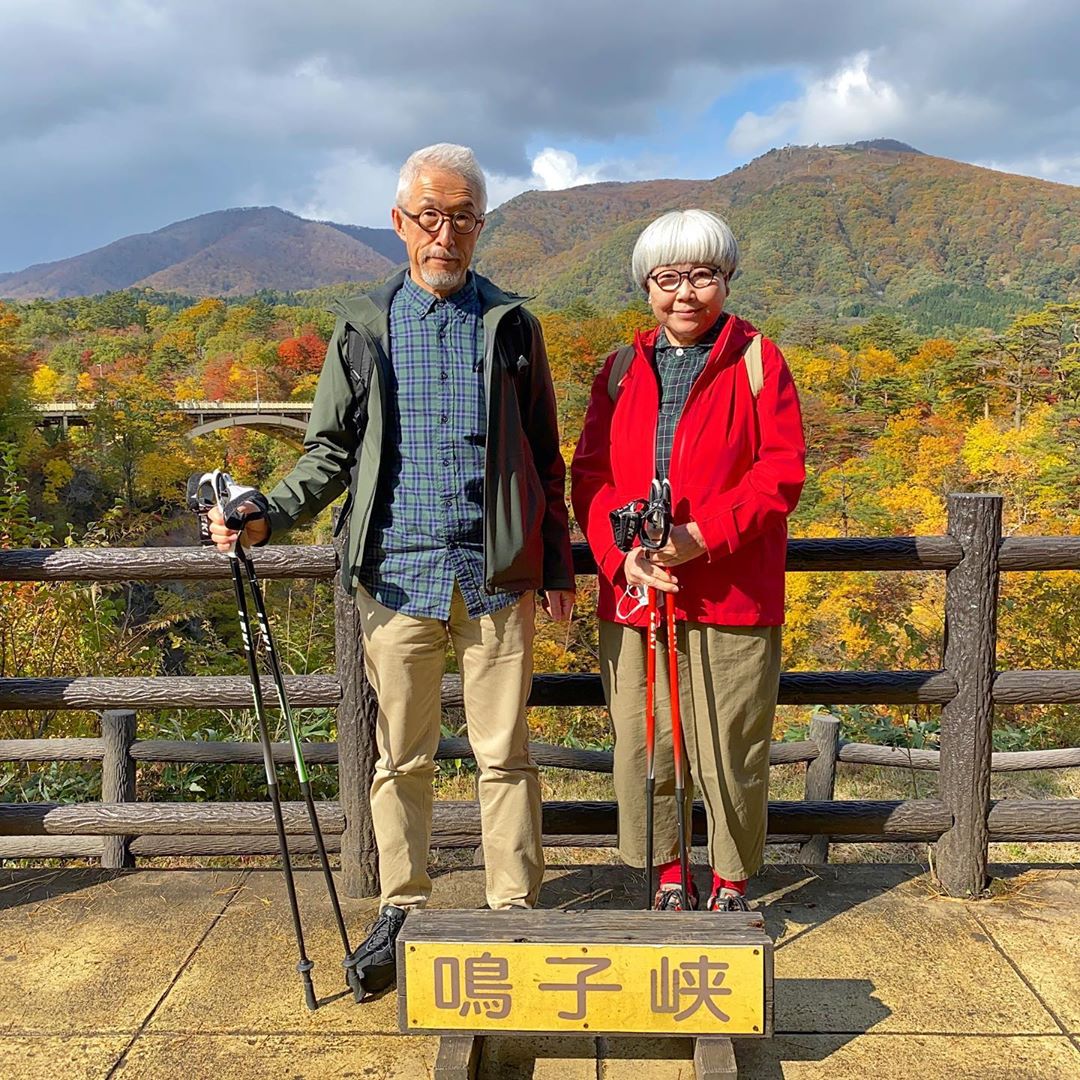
point(670, 898)
point(727, 902)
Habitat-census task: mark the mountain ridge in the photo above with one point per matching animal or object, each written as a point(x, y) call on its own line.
point(222, 253)
point(833, 231)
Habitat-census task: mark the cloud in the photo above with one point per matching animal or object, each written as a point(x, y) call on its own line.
point(118, 116)
point(355, 189)
point(853, 103)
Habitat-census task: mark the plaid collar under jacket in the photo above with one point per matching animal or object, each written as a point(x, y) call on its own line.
point(426, 531)
point(677, 367)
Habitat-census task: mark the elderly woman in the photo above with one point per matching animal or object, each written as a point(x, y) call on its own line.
point(701, 403)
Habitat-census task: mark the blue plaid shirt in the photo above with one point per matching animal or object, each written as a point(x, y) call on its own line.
point(427, 525)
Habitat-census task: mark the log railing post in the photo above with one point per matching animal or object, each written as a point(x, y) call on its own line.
point(117, 779)
point(821, 780)
point(356, 717)
point(971, 596)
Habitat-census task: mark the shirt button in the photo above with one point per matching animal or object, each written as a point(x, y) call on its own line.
point(444, 419)
point(446, 461)
point(443, 376)
point(678, 352)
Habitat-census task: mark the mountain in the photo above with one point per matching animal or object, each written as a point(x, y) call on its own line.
point(837, 230)
point(226, 253)
point(834, 231)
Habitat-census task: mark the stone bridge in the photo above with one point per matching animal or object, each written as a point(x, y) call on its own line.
point(284, 419)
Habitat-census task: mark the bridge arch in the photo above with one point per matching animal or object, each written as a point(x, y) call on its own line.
point(287, 428)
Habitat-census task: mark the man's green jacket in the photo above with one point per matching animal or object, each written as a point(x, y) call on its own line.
point(526, 536)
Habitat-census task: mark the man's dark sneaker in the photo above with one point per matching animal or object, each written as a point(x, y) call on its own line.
point(727, 902)
point(670, 898)
point(376, 969)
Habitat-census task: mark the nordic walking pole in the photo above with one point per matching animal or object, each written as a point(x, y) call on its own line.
point(215, 486)
point(650, 744)
point(660, 497)
point(653, 532)
point(677, 746)
point(349, 963)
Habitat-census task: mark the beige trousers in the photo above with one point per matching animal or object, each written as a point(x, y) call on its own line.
point(405, 658)
point(728, 681)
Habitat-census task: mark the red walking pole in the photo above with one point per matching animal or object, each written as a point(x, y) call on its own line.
point(650, 743)
point(677, 747)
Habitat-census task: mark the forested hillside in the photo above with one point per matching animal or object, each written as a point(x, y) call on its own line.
point(824, 231)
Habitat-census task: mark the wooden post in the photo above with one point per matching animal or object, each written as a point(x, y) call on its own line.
point(458, 1057)
point(117, 779)
point(971, 595)
point(714, 1059)
point(356, 717)
point(821, 780)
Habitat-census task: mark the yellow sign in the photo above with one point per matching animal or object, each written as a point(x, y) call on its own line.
point(656, 989)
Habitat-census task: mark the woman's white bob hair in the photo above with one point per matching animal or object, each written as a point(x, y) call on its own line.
point(684, 236)
point(450, 157)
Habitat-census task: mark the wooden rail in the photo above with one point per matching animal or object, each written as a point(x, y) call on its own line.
point(961, 822)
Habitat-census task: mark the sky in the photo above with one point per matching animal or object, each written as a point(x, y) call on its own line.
point(122, 116)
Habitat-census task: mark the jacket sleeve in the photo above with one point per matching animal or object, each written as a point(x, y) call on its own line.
point(330, 444)
point(592, 487)
point(770, 490)
point(541, 425)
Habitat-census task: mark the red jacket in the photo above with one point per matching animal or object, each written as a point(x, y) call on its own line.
point(736, 469)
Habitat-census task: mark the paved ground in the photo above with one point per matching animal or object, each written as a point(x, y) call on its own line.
point(161, 974)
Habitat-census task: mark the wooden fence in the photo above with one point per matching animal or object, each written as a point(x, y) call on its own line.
point(961, 821)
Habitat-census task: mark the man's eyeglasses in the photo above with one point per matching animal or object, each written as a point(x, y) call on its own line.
point(701, 277)
point(431, 220)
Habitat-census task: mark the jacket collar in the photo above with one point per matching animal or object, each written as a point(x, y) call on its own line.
point(734, 336)
point(372, 310)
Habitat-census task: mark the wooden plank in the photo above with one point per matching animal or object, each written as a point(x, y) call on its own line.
point(160, 564)
point(158, 846)
point(229, 753)
point(902, 757)
point(163, 692)
point(1036, 687)
point(583, 926)
point(458, 1057)
point(458, 823)
point(51, 749)
point(50, 847)
point(796, 688)
point(300, 561)
point(714, 1059)
point(1039, 553)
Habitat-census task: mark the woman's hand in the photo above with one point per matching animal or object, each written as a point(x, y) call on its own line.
point(640, 571)
point(684, 543)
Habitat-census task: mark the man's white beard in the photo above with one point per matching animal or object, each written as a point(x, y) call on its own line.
point(442, 279)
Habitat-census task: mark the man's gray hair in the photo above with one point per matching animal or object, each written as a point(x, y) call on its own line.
point(684, 236)
point(451, 157)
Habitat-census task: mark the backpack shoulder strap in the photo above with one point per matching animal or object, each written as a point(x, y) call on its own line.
point(361, 365)
point(752, 359)
point(619, 367)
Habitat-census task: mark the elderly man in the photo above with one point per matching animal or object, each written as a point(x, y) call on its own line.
point(435, 410)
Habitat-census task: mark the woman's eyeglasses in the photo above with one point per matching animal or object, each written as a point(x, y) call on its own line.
point(701, 277)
